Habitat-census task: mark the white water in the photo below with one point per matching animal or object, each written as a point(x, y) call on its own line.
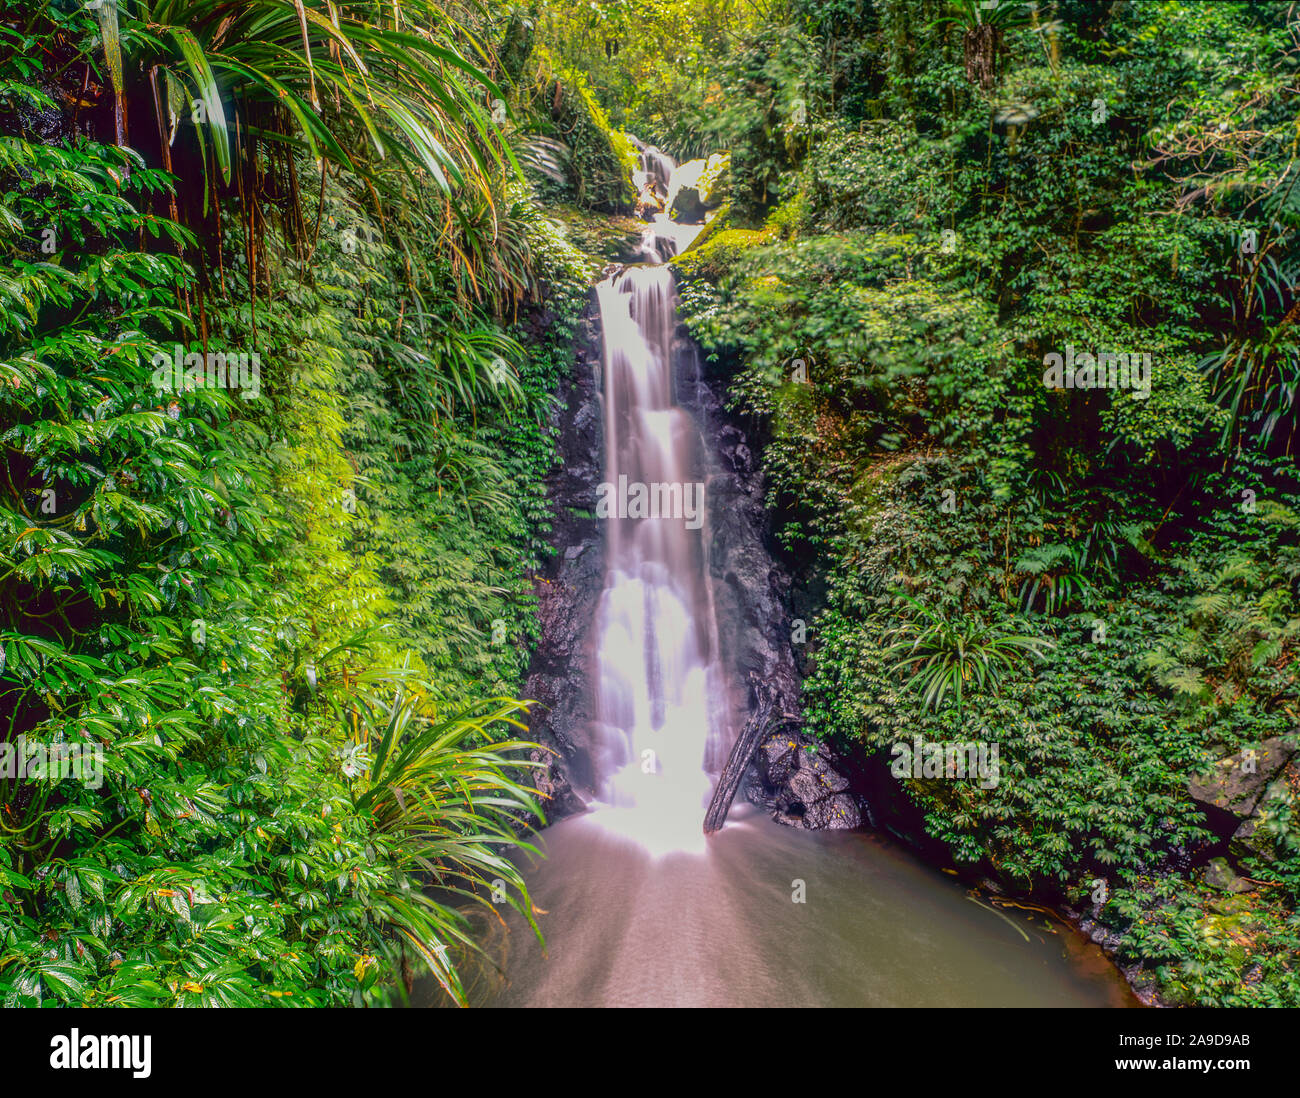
point(635, 909)
point(662, 728)
point(655, 167)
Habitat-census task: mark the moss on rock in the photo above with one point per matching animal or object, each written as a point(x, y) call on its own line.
point(600, 159)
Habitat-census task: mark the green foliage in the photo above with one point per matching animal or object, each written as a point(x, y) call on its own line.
point(877, 177)
point(760, 109)
point(292, 876)
point(278, 65)
point(273, 616)
point(967, 212)
point(597, 160)
point(653, 66)
point(1236, 951)
point(599, 237)
point(279, 617)
point(444, 804)
point(945, 655)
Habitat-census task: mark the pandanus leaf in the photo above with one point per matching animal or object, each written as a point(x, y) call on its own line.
point(106, 13)
point(209, 95)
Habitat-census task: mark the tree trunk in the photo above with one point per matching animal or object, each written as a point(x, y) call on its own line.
point(760, 721)
point(980, 44)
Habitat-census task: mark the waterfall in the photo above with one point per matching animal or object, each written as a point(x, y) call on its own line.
point(642, 909)
point(655, 168)
point(662, 725)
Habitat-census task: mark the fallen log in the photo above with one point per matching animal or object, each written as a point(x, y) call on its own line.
point(759, 723)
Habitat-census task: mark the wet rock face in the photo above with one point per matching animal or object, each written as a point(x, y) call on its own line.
point(51, 124)
point(567, 589)
point(796, 779)
point(751, 592)
point(1233, 791)
point(801, 786)
point(697, 187)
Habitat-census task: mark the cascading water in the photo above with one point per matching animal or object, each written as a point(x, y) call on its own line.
point(638, 910)
point(662, 695)
point(656, 168)
point(653, 180)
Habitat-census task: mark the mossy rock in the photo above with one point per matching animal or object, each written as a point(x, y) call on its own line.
point(1220, 875)
point(607, 239)
point(712, 258)
point(1231, 905)
point(720, 222)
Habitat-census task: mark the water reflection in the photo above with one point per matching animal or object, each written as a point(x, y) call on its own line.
point(628, 925)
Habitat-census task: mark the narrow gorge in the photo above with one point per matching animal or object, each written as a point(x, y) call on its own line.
point(659, 632)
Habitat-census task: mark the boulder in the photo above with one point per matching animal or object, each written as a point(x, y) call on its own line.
point(778, 760)
point(798, 781)
point(1236, 784)
point(697, 187)
point(1245, 840)
point(837, 813)
point(1219, 874)
point(1233, 792)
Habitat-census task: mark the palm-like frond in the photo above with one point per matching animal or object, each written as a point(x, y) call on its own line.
point(1256, 374)
point(975, 13)
point(444, 792)
point(946, 657)
point(360, 84)
point(1257, 382)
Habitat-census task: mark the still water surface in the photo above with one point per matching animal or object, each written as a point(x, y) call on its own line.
point(625, 926)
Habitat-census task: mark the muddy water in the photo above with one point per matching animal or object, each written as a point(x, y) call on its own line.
point(626, 926)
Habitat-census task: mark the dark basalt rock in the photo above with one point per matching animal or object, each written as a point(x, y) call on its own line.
point(567, 589)
point(751, 596)
point(1232, 792)
point(698, 187)
point(797, 780)
point(800, 788)
point(1236, 784)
